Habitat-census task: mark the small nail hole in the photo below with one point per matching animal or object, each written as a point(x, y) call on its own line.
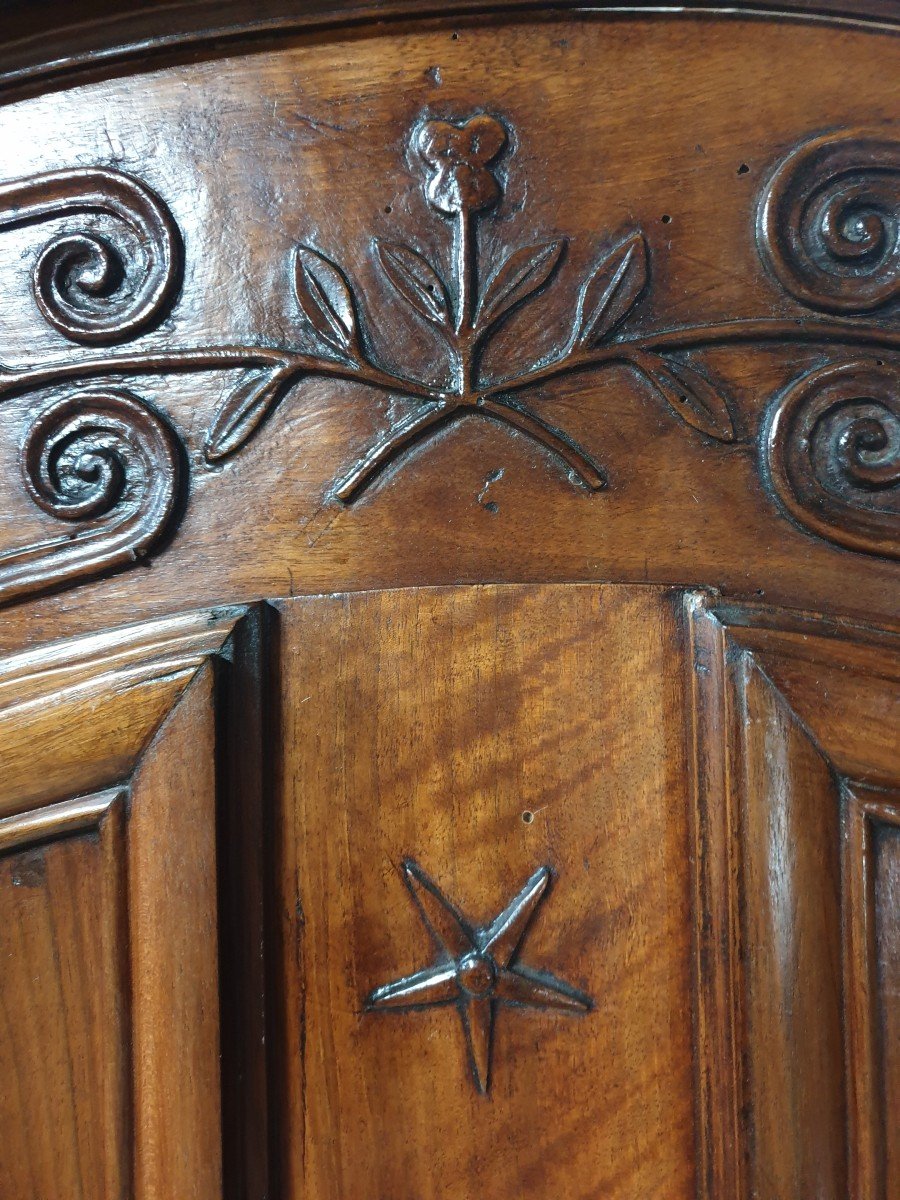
point(743, 169)
point(454, 37)
point(527, 816)
point(666, 219)
point(388, 209)
point(879, 362)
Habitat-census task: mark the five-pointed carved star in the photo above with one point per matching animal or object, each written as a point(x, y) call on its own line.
point(477, 969)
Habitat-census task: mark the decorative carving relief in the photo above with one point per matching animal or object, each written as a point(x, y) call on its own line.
point(832, 451)
point(87, 287)
point(477, 968)
point(107, 464)
point(458, 167)
point(828, 228)
point(829, 222)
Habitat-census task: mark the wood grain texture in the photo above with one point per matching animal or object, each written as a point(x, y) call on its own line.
point(65, 1058)
point(543, 362)
point(485, 732)
point(797, 735)
point(172, 905)
point(791, 851)
point(111, 904)
point(76, 716)
point(332, 166)
point(886, 976)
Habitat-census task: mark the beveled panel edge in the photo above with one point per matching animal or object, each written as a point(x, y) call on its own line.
point(77, 715)
point(78, 815)
point(724, 642)
point(863, 808)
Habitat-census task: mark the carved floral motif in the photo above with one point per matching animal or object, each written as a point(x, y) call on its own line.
point(461, 185)
point(110, 467)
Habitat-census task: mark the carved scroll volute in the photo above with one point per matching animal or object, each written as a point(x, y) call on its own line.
point(829, 222)
point(102, 462)
point(107, 463)
point(832, 449)
point(90, 288)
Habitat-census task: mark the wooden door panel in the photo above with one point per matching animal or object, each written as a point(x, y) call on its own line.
point(65, 1105)
point(485, 733)
point(279, 974)
point(109, 917)
point(799, 739)
point(393, 883)
point(883, 1044)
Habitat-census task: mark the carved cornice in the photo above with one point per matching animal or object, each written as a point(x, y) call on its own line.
point(52, 41)
point(111, 468)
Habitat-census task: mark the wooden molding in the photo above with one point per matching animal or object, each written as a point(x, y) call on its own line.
point(795, 732)
point(120, 685)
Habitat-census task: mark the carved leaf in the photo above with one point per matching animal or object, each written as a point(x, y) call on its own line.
point(326, 300)
point(612, 291)
point(416, 280)
point(520, 276)
point(689, 394)
point(241, 413)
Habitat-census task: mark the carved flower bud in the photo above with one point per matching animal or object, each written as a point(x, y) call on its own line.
point(459, 158)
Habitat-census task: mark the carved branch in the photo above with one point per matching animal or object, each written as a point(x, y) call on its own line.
point(574, 458)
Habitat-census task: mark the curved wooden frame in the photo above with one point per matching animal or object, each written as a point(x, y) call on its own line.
point(109, 33)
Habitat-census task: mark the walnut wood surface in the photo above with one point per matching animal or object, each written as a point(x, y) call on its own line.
point(255, 168)
point(794, 948)
point(109, 904)
point(449, 548)
point(485, 732)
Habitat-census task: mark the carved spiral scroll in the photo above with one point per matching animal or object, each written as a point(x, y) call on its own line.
point(832, 447)
point(829, 223)
point(90, 288)
point(107, 463)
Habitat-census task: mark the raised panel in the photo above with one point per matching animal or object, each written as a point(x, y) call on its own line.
point(871, 871)
point(797, 764)
point(65, 1051)
point(444, 748)
point(111, 1055)
point(790, 849)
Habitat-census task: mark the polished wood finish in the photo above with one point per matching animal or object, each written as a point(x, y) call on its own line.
point(109, 906)
point(449, 561)
point(798, 729)
point(486, 733)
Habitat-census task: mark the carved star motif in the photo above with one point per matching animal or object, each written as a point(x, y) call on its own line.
point(477, 969)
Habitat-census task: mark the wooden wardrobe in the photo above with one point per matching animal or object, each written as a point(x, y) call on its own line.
point(450, 632)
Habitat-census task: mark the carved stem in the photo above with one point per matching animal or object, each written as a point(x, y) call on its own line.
point(219, 358)
point(526, 422)
point(811, 332)
point(466, 284)
point(401, 437)
point(420, 424)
